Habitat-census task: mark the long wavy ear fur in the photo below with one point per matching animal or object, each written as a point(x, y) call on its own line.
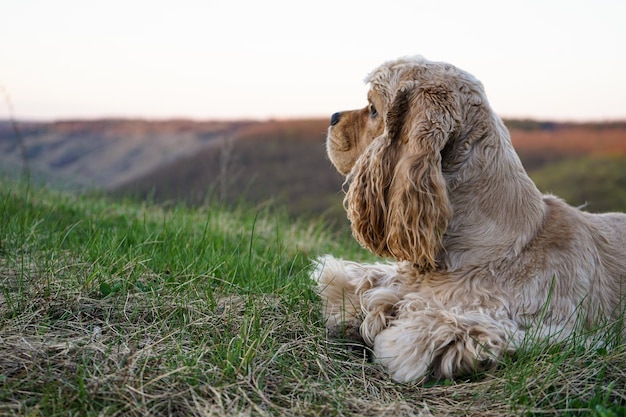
point(397, 201)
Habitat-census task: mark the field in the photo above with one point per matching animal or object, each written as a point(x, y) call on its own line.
point(113, 307)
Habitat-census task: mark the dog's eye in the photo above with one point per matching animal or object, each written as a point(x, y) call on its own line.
point(373, 111)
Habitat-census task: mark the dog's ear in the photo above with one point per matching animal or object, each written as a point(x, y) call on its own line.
point(420, 123)
point(366, 198)
point(397, 201)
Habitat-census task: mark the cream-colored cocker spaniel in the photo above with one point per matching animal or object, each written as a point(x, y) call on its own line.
point(481, 257)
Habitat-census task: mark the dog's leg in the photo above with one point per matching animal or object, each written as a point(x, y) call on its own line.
point(379, 310)
point(424, 341)
point(341, 307)
point(357, 297)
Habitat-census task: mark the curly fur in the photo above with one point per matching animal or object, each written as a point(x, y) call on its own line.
point(478, 254)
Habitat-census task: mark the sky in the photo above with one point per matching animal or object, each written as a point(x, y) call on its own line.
point(561, 60)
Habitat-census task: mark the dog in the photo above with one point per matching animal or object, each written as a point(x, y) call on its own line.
point(477, 256)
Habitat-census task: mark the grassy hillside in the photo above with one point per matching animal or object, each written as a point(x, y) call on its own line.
point(114, 308)
point(275, 163)
point(278, 163)
point(284, 164)
point(596, 182)
point(103, 153)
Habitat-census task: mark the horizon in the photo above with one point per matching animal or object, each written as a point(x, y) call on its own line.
point(618, 123)
point(211, 61)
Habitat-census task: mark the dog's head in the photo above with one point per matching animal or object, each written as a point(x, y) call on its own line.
point(391, 152)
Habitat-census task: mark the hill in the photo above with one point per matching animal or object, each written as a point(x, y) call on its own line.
point(285, 162)
point(103, 153)
point(280, 162)
point(277, 162)
point(597, 183)
point(553, 142)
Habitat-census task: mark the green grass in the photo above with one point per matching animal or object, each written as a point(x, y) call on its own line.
point(597, 182)
point(122, 308)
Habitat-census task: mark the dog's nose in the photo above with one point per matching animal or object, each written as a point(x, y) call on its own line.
point(334, 119)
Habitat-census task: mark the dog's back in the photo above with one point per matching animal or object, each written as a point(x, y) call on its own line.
point(610, 238)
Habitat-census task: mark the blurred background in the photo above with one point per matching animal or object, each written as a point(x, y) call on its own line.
point(202, 100)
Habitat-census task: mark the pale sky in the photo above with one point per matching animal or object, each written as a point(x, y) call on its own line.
point(231, 59)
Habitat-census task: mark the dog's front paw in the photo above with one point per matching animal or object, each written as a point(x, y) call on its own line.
point(443, 344)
